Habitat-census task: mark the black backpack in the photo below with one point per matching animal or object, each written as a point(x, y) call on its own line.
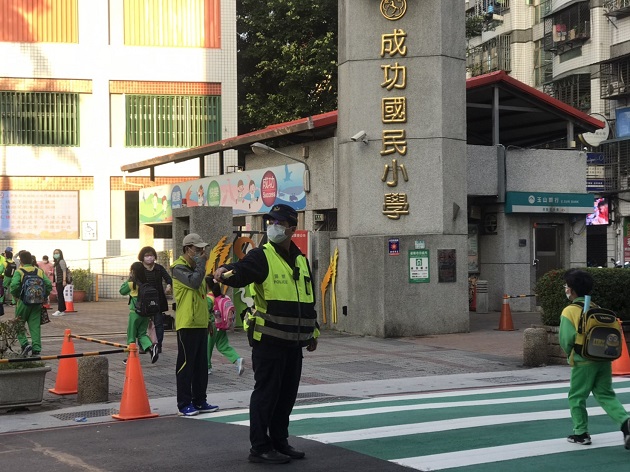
point(148, 301)
point(10, 269)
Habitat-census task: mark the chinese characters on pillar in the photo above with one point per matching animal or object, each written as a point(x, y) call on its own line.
point(394, 111)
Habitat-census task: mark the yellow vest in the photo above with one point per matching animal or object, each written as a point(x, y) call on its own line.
point(285, 304)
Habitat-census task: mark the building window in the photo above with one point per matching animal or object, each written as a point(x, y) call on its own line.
point(568, 28)
point(490, 56)
point(574, 90)
point(132, 215)
point(172, 121)
point(173, 23)
point(39, 119)
point(543, 64)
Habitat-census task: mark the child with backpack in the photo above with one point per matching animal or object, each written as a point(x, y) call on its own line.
point(139, 307)
point(587, 375)
point(30, 287)
point(221, 320)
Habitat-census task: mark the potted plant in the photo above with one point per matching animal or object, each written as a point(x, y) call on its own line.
point(82, 282)
point(21, 383)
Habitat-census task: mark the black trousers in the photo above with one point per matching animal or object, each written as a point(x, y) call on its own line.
point(191, 368)
point(158, 322)
point(277, 372)
point(61, 301)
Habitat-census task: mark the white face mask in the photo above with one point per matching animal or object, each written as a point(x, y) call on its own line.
point(149, 260)
point(568, 296)
point(275, 233)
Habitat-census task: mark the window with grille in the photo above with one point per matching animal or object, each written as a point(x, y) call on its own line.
point(574, 90)
point(568, 28)
point(172, 121)
point(490, 56)
point(543, 64)
point(39, 119)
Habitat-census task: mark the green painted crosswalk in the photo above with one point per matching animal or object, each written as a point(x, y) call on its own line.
point(516, 428)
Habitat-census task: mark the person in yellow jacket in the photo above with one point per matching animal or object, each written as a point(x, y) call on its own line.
point(30, 314)
point(283, 323)
point(191, 322)
point(586, 376)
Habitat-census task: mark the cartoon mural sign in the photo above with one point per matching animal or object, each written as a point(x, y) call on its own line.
point(250, 192)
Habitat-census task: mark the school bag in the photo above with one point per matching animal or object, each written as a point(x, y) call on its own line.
point(224, 313)
point(598, 335)
point(68, 276)
point(33, 289)
point(9, 270)
point(148, 300)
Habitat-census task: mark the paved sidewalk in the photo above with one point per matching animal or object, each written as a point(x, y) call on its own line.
point(343, 365)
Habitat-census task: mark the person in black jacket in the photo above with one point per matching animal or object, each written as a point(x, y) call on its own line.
point(155, 274)
point(284, 322)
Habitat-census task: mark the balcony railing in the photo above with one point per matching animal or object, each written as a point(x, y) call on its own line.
point(615, 79)
point(568, 28)
point(617, 8)
point(490, 56)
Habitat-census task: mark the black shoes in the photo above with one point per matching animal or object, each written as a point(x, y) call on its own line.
point(625, 429)
point(269, 457)
point(291, 452)
point(583, 439)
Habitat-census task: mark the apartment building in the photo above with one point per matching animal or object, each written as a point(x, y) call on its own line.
point(87, 86)
point(577, 51)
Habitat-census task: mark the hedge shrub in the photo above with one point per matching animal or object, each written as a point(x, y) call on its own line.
point(611, 289)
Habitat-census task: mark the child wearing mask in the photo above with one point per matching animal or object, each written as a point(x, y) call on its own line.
point(137, 325)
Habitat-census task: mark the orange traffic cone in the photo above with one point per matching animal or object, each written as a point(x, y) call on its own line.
point(621, 366)
point(70, 307)
point(505, 323)
point(67, 381)
point(134, 404)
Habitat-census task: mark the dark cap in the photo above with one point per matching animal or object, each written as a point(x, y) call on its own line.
point(283, 212)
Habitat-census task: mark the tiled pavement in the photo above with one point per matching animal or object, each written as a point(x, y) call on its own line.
point(340, 358)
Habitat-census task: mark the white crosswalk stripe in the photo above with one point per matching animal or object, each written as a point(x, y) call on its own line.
point(517, 424)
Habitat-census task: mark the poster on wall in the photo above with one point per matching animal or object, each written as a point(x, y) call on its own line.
point(473, 249)
point(447, 265)
point(37, 214)
point(248, 192)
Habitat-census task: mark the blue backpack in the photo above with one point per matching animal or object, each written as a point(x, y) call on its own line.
point(33, 288)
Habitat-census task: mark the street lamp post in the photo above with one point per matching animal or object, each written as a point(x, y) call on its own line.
point(262, 149)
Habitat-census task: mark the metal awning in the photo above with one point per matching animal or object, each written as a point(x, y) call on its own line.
point(503, 110)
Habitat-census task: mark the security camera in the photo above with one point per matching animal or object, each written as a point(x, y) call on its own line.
point(360, 136)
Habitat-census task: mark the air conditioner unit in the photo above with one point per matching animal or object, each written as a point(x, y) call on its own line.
point(616, 87)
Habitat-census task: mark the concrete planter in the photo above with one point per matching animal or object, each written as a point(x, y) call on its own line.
point(555, 354)
point(22, 387)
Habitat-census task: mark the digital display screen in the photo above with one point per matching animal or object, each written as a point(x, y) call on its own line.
point(600, 213)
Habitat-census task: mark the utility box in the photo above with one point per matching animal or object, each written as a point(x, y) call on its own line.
point(482, 296)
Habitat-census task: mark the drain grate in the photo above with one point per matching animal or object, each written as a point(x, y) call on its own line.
point(311, 394)
point(325, 399)
point(86, 414)
point(507, 380)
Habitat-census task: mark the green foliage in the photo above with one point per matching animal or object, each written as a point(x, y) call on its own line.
point(82, 279)
point(9, 330)
point(287, 60)
point(611, 289)
point(474, 26)
point(9, 347)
